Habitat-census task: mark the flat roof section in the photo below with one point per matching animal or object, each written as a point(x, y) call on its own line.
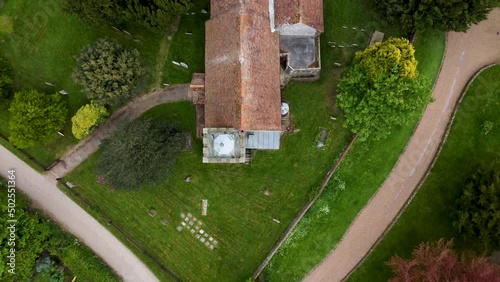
point(302, 51)
point(263, 140)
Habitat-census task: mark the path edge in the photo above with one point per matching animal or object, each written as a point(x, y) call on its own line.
point(371, 198)
point(427, 172)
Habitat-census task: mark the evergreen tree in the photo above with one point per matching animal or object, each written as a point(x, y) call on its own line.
point(139, 154)
point(444, 15)
point(108, 72)
point(477, 211)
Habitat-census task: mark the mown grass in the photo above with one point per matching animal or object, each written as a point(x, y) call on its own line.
point(428, 217)
point(188, 45)
point(240, 216)
point(44, 47)
point(367, 165)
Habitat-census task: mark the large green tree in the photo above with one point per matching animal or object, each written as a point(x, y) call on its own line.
point(477, 211)
point(108, 72)
point(139, 153)
point(35, 117)
point(382, 91)
point(444, 15)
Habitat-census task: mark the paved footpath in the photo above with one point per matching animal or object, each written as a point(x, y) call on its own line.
point(45, 195)
point(466, 54)
point(81, 151)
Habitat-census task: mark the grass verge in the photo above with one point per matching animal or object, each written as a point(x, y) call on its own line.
point(428, 217)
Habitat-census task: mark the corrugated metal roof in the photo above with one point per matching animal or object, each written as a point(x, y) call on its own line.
point(264, 140)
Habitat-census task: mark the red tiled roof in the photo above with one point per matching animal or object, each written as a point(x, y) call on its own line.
point(242, 88)
point(308, 12)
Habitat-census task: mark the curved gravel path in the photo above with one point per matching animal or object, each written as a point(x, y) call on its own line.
point(466, 54)
point(45, 195)
point(81, 151)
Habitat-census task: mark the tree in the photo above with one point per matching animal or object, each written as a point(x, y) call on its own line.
point(444, 15)
point(156, 14)
point(108, 72)
point(153, 14)
point(32, 233)
point(382, 91)
point(6, 78)
point(35, 117)
point(6, 25)
point(437, 261)
point(477, 211)
point(94, 12)
point(87, 119)
point(384, 58)
point(139, 153)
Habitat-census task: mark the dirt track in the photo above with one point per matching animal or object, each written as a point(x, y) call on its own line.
point(465, 55)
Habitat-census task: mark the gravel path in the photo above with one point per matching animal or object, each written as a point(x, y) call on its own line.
point(45, 195)
point(81, 151)
point(466, 54)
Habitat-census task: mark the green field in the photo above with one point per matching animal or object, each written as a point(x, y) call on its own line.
point(44, 47)
point(367, 164)
point(428, 217)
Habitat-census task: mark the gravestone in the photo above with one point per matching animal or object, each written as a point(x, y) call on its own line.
point(322, 137)
point(204, 207)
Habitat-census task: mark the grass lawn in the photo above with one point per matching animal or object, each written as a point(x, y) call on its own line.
point(239, 214)
point(428, 217)
point(188, 46)
point(367, 164)
point(44, 47)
